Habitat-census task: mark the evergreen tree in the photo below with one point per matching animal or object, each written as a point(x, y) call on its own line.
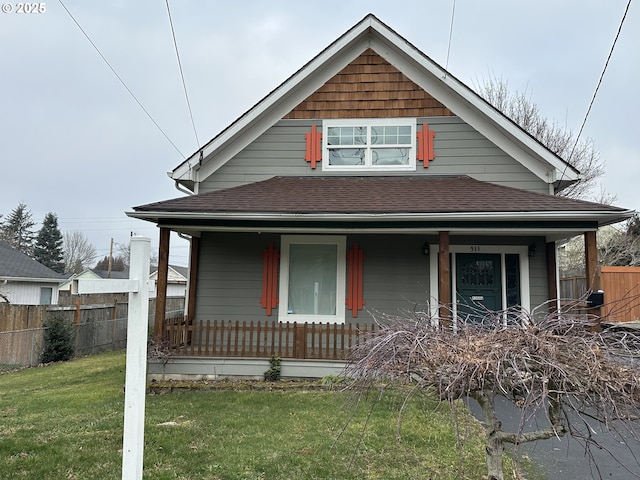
point(48, 248)
point(59, 338)
point(17, 229)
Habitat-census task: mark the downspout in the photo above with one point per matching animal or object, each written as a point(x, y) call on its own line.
point(179, 187)
point(187, 295)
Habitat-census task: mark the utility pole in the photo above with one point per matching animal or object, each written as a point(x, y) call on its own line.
point(110, 259)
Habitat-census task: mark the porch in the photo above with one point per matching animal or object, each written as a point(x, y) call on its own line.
point(262, 339)
point(218, 342)
point(214, 349)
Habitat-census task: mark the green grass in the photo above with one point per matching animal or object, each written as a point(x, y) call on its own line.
point(64, 421)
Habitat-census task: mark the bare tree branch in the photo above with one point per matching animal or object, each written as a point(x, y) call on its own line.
point(519, 107)
point(556, 366)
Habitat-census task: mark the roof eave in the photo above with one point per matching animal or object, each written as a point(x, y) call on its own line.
point(31, 279)
point(603, 217)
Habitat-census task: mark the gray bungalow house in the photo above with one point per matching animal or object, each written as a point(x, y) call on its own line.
point(370, 182)
point(24, 281)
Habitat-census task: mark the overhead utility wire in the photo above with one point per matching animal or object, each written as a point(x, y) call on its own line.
point(453, 12)
point(120, 79)
point(595, 93)
point(184, 86)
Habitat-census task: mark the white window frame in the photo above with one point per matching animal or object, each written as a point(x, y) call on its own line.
point(49, 295)
point(369, 122)
point(285, 242)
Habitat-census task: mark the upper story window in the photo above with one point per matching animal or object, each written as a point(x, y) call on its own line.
point(369, 144)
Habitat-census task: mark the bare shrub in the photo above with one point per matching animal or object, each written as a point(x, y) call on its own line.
point(558, 366)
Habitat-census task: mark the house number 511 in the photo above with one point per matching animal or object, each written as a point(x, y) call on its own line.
point(474, 248)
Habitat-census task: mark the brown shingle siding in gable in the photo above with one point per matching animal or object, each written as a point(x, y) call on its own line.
point(369, 87)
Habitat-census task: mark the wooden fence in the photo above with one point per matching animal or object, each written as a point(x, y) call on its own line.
point(98, 327)
point(20, 317)
point(264, 339)
point(621, 287)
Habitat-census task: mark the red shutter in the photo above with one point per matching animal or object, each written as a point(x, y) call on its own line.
point(425, 145)
point(314, 146)
point(355, 260)
point(270, 262)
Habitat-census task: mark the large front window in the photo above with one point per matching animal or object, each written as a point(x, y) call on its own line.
point(312, 279)
point(384, 144)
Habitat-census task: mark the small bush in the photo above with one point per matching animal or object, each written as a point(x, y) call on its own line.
point(58, 339)
point(273, 374)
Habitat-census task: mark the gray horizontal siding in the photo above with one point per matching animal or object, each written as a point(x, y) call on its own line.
point(278, 151)
point(229, 282)
point(539, 282)
point(459, 150)
point(229, 286)
point(395, 275)
point(395, 278)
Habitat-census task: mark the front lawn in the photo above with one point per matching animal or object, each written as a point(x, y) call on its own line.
point(64, 421)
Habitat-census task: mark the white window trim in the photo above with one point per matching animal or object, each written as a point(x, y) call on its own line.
point(522, 251)
point(285, 241)
point(368, 122)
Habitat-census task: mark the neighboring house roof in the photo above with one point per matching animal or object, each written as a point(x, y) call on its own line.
point(419, 197)
point(371, 33)
point(16, 266)
point(91, 273)
point(183, 271)
point(176, 274)
point(87, 273)
point(114, 274)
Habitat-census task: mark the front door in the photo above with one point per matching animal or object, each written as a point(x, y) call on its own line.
point(478, 284)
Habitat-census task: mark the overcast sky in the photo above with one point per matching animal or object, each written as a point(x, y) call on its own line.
point(74, 142)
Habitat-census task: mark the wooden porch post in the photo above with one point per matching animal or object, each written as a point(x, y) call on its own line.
point(444, 279)
point(552, 278)
point(591, 260)
point(591, 269)
point(161, 295)
point(193, 275)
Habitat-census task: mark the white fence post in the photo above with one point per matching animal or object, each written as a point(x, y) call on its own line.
point(136, 366)
point(137, 332)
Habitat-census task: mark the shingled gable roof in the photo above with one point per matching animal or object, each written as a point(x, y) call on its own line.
point(17, 266)
point(350, 197)
point(419, 68)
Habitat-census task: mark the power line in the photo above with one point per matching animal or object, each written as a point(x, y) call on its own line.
point(120, 79)
point(184, 86)
point(595, 93)
point(453, 12)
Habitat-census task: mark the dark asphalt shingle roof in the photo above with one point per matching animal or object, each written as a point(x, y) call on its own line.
point(373, 194)
point(18, 265)
point(114, 274)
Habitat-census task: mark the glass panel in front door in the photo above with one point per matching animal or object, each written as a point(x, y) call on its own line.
point(478, 284)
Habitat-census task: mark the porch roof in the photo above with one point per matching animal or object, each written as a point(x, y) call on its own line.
point(342, 197)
